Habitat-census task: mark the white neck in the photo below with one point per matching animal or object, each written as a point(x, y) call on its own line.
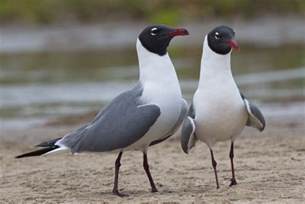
point(213, 66)
point(156, 69)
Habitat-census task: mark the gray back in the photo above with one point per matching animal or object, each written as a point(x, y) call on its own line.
point(119, 125)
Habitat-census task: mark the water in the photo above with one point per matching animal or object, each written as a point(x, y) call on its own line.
point(35, 87)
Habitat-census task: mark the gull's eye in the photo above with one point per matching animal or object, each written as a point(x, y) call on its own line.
point(217, 36)
point(154, 31)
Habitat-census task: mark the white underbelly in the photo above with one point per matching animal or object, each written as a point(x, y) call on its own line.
point(219, 117)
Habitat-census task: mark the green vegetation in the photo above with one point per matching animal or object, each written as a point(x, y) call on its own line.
point(169, 11)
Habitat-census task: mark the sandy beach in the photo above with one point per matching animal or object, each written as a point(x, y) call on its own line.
point(270, 168)
point(61, 62)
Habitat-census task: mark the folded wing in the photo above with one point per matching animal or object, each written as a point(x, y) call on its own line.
point(256, 118)
point(188, 137)
point(124, 121)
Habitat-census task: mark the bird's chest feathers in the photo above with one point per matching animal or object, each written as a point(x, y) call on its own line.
point(168, 98)
point(218, 94)
point(160, 84)
point(160, 87)
point(219, 106)
point(166, 94)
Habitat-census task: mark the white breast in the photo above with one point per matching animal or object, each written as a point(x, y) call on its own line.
point(220, 112)
point(160, 87)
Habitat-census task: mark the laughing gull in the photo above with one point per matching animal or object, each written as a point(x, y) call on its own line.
point(146, 115)
point(219, 111)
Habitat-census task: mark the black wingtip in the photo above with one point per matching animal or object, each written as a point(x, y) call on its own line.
point(263, 124)
point(262, 128)
point(37, 152)
point(48, 143)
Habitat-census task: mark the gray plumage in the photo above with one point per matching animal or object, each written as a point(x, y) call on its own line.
point(256, 118)
point(188, 137)
point(124, 121)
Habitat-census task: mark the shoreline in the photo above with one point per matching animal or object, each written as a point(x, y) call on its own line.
point(267, 31)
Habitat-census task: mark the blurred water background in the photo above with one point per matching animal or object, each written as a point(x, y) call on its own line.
point(65, 61)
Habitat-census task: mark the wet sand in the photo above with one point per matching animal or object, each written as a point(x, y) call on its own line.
point(270, 168)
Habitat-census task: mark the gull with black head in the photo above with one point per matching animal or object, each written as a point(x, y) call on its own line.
point(219, 111)
point(138, 118)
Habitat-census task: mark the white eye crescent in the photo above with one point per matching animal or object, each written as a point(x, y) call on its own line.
point(217, 35)
point(153, 31)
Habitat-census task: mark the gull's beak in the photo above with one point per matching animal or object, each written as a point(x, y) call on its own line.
point(178, 32)
point(233, 44)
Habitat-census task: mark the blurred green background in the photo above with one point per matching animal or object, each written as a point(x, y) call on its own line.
point(169, 11)
point(65, 58)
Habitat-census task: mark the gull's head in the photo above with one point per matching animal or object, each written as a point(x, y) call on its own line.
point(156, 38)
point(222, 40)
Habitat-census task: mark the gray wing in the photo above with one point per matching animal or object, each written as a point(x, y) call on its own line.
point(124, 121)
point(255, 116)
point(182, 115)
point(188, 137)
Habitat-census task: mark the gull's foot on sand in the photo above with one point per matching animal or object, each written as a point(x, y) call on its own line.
point(154, 190)
point(116, 192)
point(233, 182)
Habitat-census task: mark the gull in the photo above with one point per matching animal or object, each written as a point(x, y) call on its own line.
point(145, 115)
point(219, 111)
